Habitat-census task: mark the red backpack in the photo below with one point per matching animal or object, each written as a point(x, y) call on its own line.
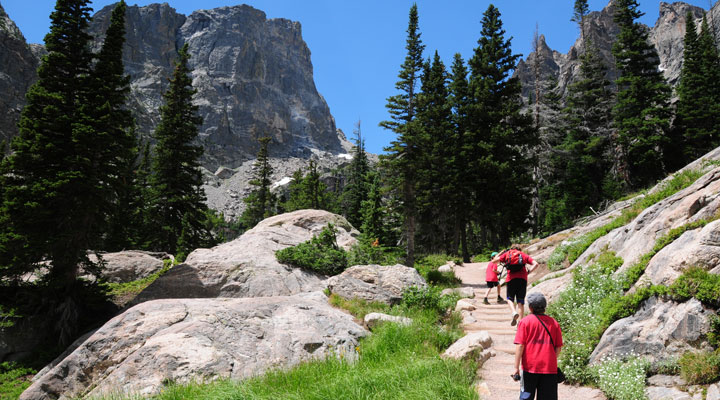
point(513, 260)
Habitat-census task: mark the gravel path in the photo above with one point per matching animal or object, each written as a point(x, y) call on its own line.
point(495, 319)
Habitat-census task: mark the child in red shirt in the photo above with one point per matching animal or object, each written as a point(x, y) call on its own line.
point(492, 280)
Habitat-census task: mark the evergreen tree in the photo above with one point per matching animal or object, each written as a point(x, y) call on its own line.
point(580, 11)
point(500, 135)
point(436, 171)
point(177, 196)
point(115, 144)
point(53, 198)
point(261, 201)
point(459, 99)
point(581, 170)
point(641, 113)
point(697, 124)
point(402, 155)
point(372, 211)
point(356, 190)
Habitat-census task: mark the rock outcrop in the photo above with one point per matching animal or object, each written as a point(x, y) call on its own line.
point(659, 330)
point(374, 319)
point(247, 266)
point(254, 78)
point(130, 265)
point(182, 340)
point(384, 283)
point(18, 66)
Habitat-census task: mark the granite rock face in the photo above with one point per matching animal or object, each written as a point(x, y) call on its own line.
point(183, 340)
point(247, 266)
point(254, 78)
point(18, 65)
point(667, 35)
point(660, 329)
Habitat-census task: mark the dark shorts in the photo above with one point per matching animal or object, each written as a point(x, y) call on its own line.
point(491, 284)
point(545, 385)
point(516, 290)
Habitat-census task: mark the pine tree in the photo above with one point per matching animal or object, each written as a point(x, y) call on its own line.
point(261, 201)
point(437, 172)
point(402, 155)
point(459, 99)
point(176, 182)
point(697, 124)
point(580, 11)
point(52, 197)
point(115, 145)
point(641, 113)
point(501, 135)
point(373, 211)
point(356, 190)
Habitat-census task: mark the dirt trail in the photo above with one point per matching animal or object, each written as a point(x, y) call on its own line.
point(495, 319)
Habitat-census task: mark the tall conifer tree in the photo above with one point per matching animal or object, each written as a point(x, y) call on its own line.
point(356, 189)
point(697, 124)
point(176, 181)
point(403, 154)
point(52, 196)
point(459, 99)
point(261, 201)
point(501, 134)
point(642, 112)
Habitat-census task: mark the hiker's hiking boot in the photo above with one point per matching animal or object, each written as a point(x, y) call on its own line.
point(514, 320)
point(501, 300)
point(485, 301)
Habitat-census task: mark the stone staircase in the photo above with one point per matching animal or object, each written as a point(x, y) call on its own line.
point(496, 383)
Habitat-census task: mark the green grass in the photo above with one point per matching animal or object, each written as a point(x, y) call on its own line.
point(428, 266)
point(358, 307)
point(574, 250)
point(14, 379)
point(701, 367)
point(117, 290)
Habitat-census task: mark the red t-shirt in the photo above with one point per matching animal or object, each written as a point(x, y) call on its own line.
point(539, 354)
point(522, 274)
point(491, 272)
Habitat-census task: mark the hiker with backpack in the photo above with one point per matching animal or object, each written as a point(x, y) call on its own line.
point(515, 262)
point(492, 280)
point(538, 341)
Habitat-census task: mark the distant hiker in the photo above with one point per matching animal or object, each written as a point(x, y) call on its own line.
point(492, 280)
point(538, 341)
point(515, 262)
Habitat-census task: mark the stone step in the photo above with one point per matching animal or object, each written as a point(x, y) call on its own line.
point(502, 389)
point(496, 318)
point(501, 331)
point(503, 360)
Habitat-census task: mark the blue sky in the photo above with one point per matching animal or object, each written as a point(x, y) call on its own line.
point(357, 46)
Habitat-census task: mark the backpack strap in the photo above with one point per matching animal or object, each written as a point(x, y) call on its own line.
point(546, 329)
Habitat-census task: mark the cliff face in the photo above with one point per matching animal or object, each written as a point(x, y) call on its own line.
point(667, 35)
point(253, 75)
point(18, 65)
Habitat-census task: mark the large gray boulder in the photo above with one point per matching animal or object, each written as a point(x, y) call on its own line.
point(696, 248)
point(659, 330)
point(383, 283)
point(182, 340)
point(130, 265)
point(247, 266)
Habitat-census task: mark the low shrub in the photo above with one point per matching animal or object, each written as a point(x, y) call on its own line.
point(668, 366)
point(714, 333)
point(320, 254)
point(698, 283)
point(622, 379)
point(699, 368)
point(368, 251)
point(428, 298)
point(442, 279)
